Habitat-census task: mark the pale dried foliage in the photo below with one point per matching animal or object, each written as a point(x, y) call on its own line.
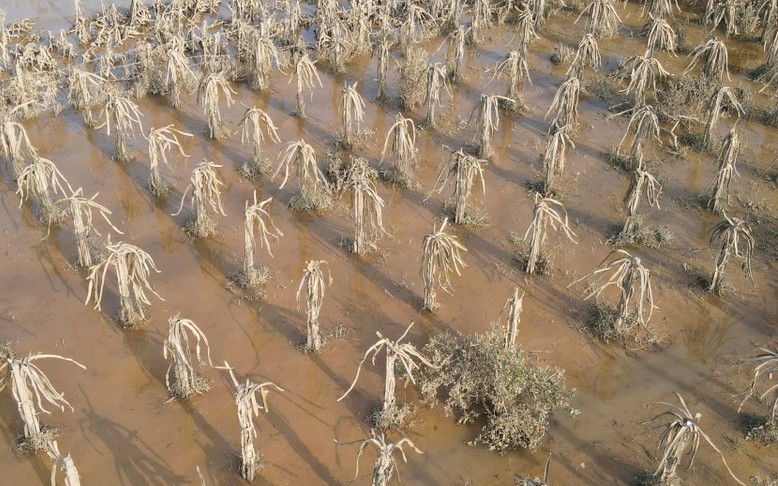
point(14, 141)
point(401, 143)
point(307, 77)
point(367, 207)
point(256, 219)
point(712, 55)
point(524, 481)
point(65, 463)
point(766, 367)
point(248, 407)
point(211, 84)
point(513, 306)
point(403, 355)
point(314, 191)
point(587, 54)
point(555, 159)
point(124, 115)
point(487, 122)
point(85, 92)
point(646, 124)
point(737, 239)
point(80, 210)
point(31, 389)
point(206, 193)
point(564, 106)
point(466, 170)
point(718, 195)
point(132, 266)
point(178, 349)
point(659, 35)
point(352, 113)
point(681, 436)
point(41, 180)
point(314, 282)
point(437, 83)
point(456, 54)
point(630, 319)
point(642, 183)
point(257, 128)
point(643, 72)
point(161, 141)
point(440, 256)
point(515, 68)
point(413, 73)
point(604, 21)
point(381, 50)
point(546, 213)
point(385, 464)
point(715, 105)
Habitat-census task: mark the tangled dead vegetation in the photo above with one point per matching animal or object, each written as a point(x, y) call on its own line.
point(482, 380)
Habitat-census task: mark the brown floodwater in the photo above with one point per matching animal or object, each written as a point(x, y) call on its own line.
point(122, 432)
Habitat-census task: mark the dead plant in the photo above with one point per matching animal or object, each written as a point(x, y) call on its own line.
point(352, 111)
point(206, 193)
point(248, 408)
point(31, 388)
point(737, 240)
point(178, 350)
point(404, 355)
point(314, 191)
point(603, 19)
point(133, 267)
point(80, 209)
point(437, 83)
point(554, 158)
point(85, 91)
point(440, 255)
point(161, 141)
point(681, 436)
point(712, 55)
point(630, 320)
point(488, 121)
point(544, 215)
point(514, 306)
point(385, 464)
point(307, 75)
point(256, 217)
point(718, 197)
point(208, 97)
point(465, 169)
point(256, 127)
point(565, 106)
point(41, 180)
point(121, 112)
point(402, 135)
point(314, 283)
point(14, 141)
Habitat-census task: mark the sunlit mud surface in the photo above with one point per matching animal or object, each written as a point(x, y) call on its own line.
point(121, 432)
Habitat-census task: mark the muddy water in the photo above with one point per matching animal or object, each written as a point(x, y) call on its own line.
point(121, 433)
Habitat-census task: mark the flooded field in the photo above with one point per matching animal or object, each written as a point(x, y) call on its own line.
point(123, 430)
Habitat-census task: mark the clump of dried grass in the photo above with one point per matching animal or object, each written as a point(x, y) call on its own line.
point(512, 396)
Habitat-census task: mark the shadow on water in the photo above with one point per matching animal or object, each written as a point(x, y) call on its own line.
point(135, 461)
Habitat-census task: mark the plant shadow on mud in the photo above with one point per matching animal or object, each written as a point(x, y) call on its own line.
point(136, 461)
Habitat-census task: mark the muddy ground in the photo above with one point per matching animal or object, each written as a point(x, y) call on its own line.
point(121, 432)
